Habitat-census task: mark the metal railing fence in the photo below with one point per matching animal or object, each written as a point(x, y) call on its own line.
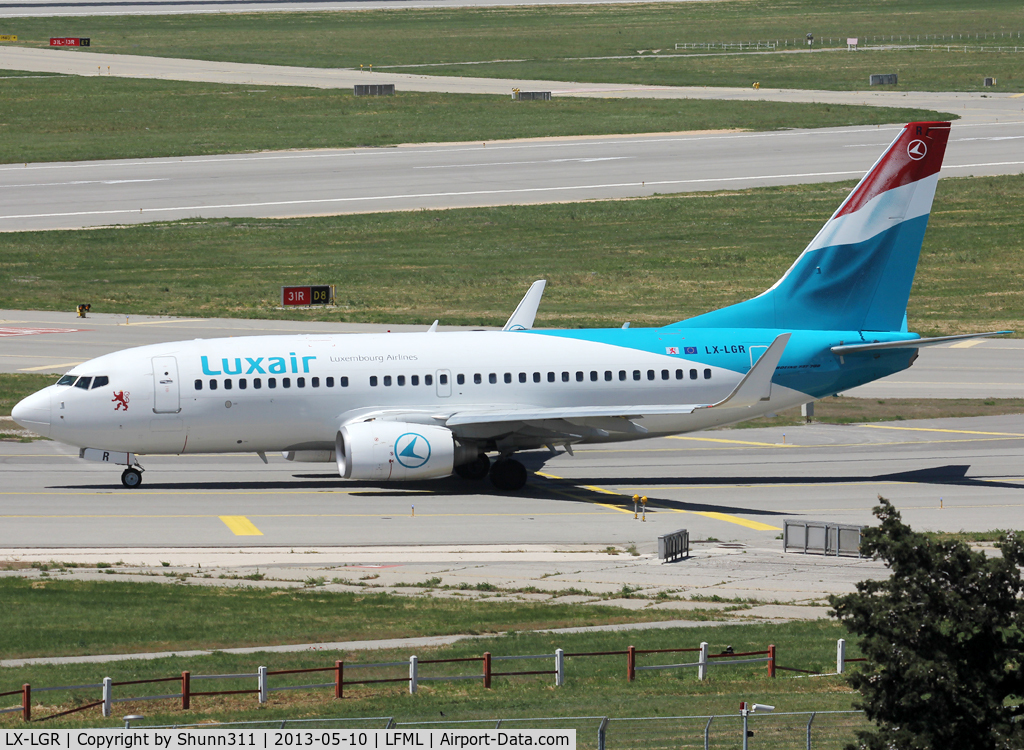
point(481, 668)
point(815, 730)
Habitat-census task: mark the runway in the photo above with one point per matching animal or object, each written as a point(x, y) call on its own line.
point(450, 175)
point(732, 485)
point(439, 176)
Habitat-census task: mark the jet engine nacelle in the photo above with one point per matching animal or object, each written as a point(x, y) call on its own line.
point(382, 450)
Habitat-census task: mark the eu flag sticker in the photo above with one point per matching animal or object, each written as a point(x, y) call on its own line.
point(690, 350)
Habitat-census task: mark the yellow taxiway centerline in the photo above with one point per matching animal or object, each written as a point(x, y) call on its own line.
point(727, 517)
point(734, 442)
point(240, 526)
point(939, 429)
point(756, 525)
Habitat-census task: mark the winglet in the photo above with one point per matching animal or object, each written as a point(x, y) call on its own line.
point(522, 318)
point(756, 385)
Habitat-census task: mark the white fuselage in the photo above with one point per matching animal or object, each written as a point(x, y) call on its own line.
point(282, 393)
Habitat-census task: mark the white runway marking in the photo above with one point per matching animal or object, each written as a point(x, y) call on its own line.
point(83, 182)
point(583, 159)
point(454, 194)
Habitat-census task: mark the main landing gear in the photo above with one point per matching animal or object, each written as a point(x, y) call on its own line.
point(507, 475)
point(476, 469)
point(131, 477)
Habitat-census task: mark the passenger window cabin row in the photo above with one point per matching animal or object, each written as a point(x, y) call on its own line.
point(257, 383)
point(566, 376)
point(478, 379)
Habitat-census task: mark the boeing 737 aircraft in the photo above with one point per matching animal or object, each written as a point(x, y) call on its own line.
point(390, 407)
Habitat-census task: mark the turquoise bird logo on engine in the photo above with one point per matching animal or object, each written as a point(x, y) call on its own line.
point(412, 450)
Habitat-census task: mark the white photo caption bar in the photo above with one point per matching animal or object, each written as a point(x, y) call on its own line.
point(271, 739)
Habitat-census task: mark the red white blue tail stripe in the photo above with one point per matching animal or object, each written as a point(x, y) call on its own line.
point(856, 273)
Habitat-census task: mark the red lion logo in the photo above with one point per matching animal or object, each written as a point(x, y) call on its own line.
point(121, 400)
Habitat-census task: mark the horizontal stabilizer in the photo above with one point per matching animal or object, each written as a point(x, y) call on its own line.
point(910, 343)
point(756, 385)
point(526, 311)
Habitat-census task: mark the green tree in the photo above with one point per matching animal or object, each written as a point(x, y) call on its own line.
point(943, 638)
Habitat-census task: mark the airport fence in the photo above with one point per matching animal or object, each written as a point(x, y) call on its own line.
point(484, 668)
point(817, 730)
point(950, 42)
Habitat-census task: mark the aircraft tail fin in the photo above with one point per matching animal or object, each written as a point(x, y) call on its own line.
point(856, 273)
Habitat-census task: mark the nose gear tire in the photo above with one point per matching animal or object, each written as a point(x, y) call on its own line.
point(131, 478)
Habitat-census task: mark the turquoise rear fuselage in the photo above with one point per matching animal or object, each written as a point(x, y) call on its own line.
point(808, 364)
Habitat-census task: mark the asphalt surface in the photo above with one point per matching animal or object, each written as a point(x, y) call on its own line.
point(211, 516)
point(734, 485)
point(325, 182)
point(439, 176)
point(54, 342)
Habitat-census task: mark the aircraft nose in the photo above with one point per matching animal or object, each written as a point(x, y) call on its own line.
point(33, 413)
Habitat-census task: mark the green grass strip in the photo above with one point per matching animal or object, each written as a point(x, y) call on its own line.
point(113, 118)
point(67, 617)
point(551, 38)
point(650, 261)
point(86, 617)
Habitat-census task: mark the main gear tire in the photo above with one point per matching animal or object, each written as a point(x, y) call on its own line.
point(476, 469)
point(508, 475)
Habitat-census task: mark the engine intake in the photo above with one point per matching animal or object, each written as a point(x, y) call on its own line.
point(398, 451)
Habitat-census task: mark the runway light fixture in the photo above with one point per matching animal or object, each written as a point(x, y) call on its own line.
point(130, 718)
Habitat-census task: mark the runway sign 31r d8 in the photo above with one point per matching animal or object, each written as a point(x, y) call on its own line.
point(302, 296)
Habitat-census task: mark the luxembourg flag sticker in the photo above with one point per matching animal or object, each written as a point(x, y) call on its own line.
point(671, 350)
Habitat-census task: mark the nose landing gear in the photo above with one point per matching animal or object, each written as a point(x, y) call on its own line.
point(131, 477)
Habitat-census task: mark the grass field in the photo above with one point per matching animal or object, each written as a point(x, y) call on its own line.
point(917, 70)
point(650, 261)
point(114, 617)
point(15, 386)
point(72, 617)
point(549, 39)
point(594, 686)
point(112, 118)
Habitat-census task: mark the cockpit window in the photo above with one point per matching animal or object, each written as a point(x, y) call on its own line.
point(99, 381)
point(83, 383)
point(67, 380)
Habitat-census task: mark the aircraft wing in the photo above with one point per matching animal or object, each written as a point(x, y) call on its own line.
point(910, 343)
point(576, 422)
point(752, 389)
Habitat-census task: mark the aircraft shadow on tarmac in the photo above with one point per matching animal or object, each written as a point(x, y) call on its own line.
point(577, 490)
